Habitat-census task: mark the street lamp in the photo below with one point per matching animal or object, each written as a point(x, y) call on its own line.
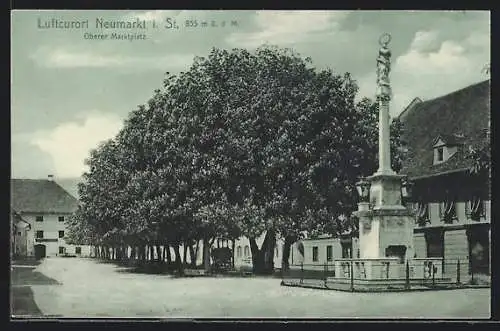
point(363, 187)
point(406, 188)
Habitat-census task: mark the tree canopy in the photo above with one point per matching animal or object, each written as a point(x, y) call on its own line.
point(241, 144)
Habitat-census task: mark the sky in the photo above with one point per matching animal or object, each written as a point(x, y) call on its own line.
point(68, 92)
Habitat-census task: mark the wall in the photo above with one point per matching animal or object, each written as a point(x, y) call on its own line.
point(50, 227)
point(322, 249)
point(369, 231)
point(21, 239)
point(420, 245)
point(456, 247)
point(396, 231)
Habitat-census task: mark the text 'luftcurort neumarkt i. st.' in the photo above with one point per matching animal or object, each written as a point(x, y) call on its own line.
point(99, 23)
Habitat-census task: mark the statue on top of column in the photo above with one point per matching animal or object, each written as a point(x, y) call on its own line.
point(384, 64)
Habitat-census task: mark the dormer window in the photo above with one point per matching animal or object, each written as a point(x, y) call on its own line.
point(445, 146)
point(440, 154)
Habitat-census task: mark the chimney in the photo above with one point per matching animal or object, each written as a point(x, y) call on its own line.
point(50, 178)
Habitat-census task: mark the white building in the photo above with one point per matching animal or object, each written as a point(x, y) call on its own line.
point(39, 209)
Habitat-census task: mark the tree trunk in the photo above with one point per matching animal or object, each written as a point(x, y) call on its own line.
point(178, 261)
point(196, 251)
point(233, 252)
point(192, 257)
point(285, 258)
point(269, 253)
point(159, 255)
point(142, 252)
point(169, 256)
point(263, 259)
point(257, 261)
point(206, 254)
point(184, 253)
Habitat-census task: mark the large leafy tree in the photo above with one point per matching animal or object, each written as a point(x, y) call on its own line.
point(254, 144)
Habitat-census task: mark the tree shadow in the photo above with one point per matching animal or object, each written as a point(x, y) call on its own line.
point(23, 302)
point(27, 276)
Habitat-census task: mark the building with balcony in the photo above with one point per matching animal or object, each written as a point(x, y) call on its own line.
point(39, 210)
point(452, 204)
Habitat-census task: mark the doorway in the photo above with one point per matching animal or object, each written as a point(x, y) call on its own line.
point(40, 251)
point(434, 240)
point(479, 249)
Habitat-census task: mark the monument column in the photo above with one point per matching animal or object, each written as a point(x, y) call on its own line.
point(386, 226)
point(383, 98)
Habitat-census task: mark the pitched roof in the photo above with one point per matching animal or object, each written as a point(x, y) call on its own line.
point(459, 118)
point(40, 195)
point(15, 217)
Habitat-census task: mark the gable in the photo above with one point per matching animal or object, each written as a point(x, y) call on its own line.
point(438, 142)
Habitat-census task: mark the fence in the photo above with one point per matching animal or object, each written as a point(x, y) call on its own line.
point(356, 274)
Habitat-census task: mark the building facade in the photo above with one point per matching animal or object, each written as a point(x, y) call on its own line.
point(39, 210)
point(452, 205)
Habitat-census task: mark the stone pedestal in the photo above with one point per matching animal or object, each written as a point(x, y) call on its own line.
point(385, 191)
point(386, 233)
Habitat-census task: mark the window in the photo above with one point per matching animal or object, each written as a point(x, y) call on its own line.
point(277, 252)
point(346, 250)
point(238, 251)
point(315, 254)
point(39, 218)
point(440, 154)
point(247, 251)
point(329, 253)
point(422, 213)
point(61, 250)
point(448, 212)
point(61, 234)
point(78, 250)
point(39, 234)
point(61, 218)
point(19, 233)
point(475, 209)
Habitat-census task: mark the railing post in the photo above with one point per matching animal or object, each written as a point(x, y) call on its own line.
point(302, 272)
point(458, 271)
point(326, 273)
point(472, 271)
point(352, 276)
point(407, 275)
point(433, 275)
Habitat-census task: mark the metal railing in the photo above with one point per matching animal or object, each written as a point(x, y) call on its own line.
point(352, 274)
